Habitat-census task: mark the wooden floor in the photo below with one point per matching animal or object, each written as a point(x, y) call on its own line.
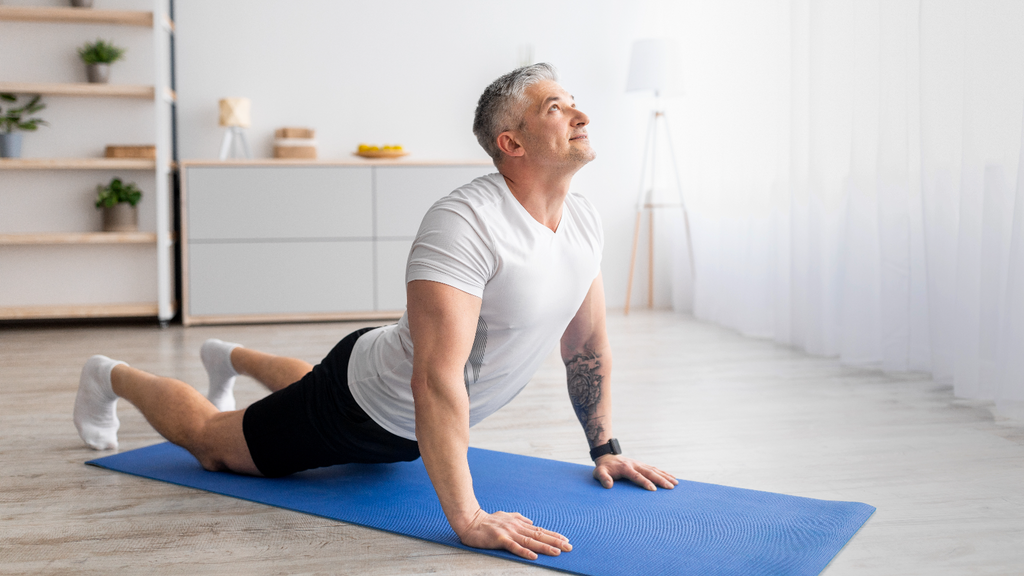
point(694, 399)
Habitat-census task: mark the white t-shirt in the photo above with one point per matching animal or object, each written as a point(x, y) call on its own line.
point(532, 281)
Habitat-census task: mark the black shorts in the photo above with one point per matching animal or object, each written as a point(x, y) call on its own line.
point(316, 422)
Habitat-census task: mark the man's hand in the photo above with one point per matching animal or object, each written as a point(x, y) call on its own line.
point(513, 532)
point(611, 467)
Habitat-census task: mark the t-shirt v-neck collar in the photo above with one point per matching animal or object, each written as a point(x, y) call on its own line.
point(526, 213)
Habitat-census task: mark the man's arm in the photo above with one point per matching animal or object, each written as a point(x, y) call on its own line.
point(443, 322)
point(588, 366)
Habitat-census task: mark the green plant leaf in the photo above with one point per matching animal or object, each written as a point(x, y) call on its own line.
point(14, 117)
point(117, 191)
point(100, 52)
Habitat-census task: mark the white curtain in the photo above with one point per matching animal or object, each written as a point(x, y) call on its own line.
point(854, 178)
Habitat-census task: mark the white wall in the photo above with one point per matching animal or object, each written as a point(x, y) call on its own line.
point(410, 73)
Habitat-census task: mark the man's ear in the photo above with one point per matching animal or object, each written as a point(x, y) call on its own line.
point(508, 143)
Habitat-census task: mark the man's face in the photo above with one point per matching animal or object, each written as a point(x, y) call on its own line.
point(555, 130)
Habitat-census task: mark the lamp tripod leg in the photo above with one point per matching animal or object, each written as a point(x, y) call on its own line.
point(226, 145)
point(632, 261)
point(642, 200)
point(679, 191)
point(245, 144)
point(650, 259)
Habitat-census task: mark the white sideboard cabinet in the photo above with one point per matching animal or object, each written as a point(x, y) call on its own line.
point(269, 241)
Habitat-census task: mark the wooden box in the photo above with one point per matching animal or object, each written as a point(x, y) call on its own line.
point(295, 133)
point(304, 152)
point(147, 151)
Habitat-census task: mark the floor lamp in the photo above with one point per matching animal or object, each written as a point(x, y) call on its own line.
point(649, 72)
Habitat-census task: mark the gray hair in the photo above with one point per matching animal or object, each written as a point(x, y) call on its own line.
point(503, 103)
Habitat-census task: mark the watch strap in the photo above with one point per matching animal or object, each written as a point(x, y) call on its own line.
point(610, 447)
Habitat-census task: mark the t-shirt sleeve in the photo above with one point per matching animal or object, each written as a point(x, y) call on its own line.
point(451, 248)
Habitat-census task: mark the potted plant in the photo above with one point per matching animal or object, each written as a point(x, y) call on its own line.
point(98, 56)
point(118, 202)
point(14, 119)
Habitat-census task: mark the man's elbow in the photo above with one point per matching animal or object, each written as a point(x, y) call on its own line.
point(427, 386)
point(420, 385)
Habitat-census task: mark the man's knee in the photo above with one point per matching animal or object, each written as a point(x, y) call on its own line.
point(221, 445)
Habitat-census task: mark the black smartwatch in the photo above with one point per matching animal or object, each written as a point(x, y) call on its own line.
point(612, 447)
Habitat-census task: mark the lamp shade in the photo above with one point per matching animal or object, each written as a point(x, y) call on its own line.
point(234, 112)
point(649, 66)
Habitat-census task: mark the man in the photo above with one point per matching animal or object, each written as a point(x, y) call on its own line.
point(500, 269)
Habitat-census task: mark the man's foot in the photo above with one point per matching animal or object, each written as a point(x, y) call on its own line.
point(216, 356)
point(95, 412)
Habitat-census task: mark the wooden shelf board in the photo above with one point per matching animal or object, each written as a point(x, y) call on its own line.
point(132, 310)
point(76, 15)
point(79, 89)
point(77, 164)
point(51, 238)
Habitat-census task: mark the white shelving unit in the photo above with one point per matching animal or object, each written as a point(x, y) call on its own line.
point(54, 262)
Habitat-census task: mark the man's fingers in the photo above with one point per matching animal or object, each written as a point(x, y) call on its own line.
point(528, 547)
point(554, 535)
point(553, 540)
point(660, 478)
point(668, 478)
point(640, 480)
point(602, 476)
point(528, 529)
point(514, 547)
point(522, 518)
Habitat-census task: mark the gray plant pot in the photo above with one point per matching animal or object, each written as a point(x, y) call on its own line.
point(81, 3)
point(10, 145)
point(98, 73)
point(121, 217)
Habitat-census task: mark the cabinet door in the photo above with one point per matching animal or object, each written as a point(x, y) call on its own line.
point(287, 202)
point(255, 278)
point(404, 193)
point(391, 259)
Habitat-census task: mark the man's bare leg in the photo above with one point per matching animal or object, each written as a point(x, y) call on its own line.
point(226, 360)
point(185, 417)
point(175, 409)
point(274, 372)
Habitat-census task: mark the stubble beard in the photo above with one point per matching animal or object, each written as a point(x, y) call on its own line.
point(581, 157)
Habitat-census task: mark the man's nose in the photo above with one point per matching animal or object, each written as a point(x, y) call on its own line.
point(582, 119)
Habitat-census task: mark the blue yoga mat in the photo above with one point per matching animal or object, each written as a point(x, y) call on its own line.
point(696, 528)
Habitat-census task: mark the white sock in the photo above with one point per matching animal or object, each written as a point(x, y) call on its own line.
point(96, 404)
point(216, 356)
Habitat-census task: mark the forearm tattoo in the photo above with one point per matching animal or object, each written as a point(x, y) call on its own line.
point(584, 380)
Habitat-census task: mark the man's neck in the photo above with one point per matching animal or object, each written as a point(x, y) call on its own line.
point(541, 194)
